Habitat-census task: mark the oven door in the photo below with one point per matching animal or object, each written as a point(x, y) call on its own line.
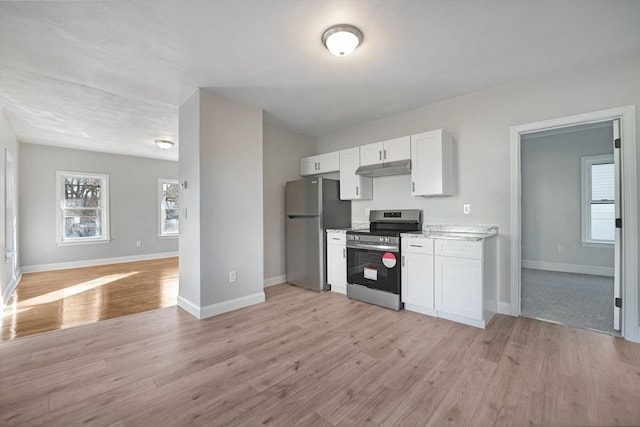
point(374, 267)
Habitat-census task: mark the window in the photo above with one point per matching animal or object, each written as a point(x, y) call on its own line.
point(598, 200)
point(169, 207)
point(83, 207)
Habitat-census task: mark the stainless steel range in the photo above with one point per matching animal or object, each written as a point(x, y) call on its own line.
point(373, 257)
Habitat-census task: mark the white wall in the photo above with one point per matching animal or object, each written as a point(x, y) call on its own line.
point(282, 150)
point(133, 204)
point(189, 247)
point(8, 141)
point(480, 123)
point(221, 158)
point(231, 201)
point(552, 197)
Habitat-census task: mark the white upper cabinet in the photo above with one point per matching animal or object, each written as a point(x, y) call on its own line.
point(431, 164)
point(371, 154)
point(352, 186)
point(386, 151)
point(320, 164)
point(397, 149)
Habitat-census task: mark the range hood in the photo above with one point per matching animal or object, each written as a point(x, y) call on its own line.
point(399, 167)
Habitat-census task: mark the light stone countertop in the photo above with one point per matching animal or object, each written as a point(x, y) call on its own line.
point(354, 226)
point(472, 233)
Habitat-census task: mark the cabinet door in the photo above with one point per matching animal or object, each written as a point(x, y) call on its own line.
point(337, 267)
point(371, 154)
point(417, 280)
point(431, 164)
point(328, 163)
point(308, 166)
point(458, 284)
point(397, 149)
point(352, 186)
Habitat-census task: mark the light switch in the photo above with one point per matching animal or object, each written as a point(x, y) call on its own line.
point(466, 209)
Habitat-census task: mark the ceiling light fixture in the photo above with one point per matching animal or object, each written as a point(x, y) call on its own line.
point(164, 144)
point(342, 39)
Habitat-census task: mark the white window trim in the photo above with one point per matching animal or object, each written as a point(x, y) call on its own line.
point(585, 182)
point(162, 235)
point(60, 239)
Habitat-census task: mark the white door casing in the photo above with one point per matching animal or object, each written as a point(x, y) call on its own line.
point(617, 270)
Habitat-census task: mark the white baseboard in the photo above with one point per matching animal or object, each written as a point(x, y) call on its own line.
point(504, 308)
point(341, 289)
point(189, 307)
point(461, 319)
point(220, 307)
point(94, 262)
point(276, 280)
point(568, 268)
point(11, 288)
point(420, 309)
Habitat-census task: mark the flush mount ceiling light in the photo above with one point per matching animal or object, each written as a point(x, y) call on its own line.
point(342, 40)
point(164, 144)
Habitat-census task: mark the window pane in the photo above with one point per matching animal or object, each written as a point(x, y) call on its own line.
point(169, 195)
point(602, 182)
point(170, 222)
point(603, 222)
point(82, 223)
point(81, 192)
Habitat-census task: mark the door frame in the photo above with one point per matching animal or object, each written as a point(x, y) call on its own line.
point(629, 190)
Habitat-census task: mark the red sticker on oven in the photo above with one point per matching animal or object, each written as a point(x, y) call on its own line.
point(389, 260)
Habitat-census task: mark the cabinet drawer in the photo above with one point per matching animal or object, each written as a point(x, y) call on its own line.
point(336, 238)
point(458, 248)
point(417, 245)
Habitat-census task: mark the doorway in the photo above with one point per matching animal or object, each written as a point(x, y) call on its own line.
point(626, 253)
point(568, 198)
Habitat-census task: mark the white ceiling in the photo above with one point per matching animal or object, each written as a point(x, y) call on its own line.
point(110, 76)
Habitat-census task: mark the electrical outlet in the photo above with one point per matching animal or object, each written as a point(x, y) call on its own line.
point(466, 209)
point(560, 249)
point(138, 243)
point(366, 212)
point(233, 276)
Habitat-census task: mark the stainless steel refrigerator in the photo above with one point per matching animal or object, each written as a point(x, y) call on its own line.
point(311, 206)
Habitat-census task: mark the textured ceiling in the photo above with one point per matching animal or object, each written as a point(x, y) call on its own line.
point(110, 76)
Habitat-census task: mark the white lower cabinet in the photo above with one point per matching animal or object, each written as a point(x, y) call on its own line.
point(459, 289)
point(465, 281)
point(337, 261)
point(417, 291)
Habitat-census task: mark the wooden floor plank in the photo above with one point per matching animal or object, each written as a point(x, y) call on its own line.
point(310, 359)
point(52, 300)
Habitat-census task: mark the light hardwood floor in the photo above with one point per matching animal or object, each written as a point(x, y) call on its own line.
point(308, 359)
point(61, 299)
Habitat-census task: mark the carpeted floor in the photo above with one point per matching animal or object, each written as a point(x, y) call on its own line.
point(580, 300)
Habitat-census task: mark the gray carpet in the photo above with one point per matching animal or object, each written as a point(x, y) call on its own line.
point(580, 300)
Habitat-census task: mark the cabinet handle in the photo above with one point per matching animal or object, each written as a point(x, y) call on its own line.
point(380, 154)
point(344, 252)
point(335, 238)
point(416, 246)
point(357, 190)
point(385, 154)
point(403, 260)
point(413, 186)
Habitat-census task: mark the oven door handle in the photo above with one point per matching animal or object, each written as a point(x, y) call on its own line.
point(386, 248)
